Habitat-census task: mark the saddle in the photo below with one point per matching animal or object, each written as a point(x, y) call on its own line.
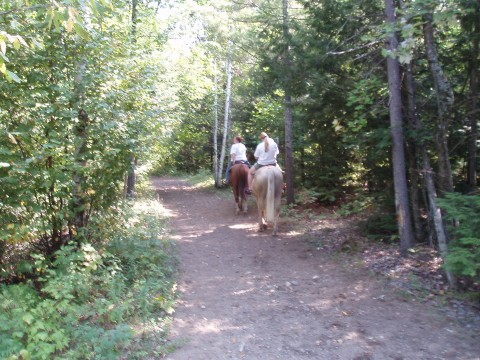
point(245, 162)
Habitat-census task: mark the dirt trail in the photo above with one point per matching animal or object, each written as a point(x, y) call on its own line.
point(248, 295)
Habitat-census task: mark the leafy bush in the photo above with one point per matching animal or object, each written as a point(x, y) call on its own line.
point(464, 228)
point(84, 303)
point(358, 205)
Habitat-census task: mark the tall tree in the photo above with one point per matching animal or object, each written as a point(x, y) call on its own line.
point(444, 95)
point(216, 169)
point(288, 106)
point(404, 221)
point(473, 136)
point(226, 115)
point(427, 171)
point(130, 178)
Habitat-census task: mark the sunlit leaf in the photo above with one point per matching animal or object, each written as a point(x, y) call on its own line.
point(16, 44)
point(80, 30)
point(12, 76)
point(11, 139)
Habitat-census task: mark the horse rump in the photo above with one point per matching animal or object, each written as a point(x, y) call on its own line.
point(239, 181)
point(267, 187)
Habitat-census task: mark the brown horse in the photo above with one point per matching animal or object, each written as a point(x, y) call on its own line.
point(239, 181)
point(267, 187)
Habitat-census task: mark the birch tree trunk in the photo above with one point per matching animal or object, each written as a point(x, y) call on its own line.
point(216, 172)
point(288, 108)
point(444, 95)
point(227, 108)
point(404, 220)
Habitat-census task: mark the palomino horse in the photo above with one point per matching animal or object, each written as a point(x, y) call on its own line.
point(267, 187)
point(239, 181)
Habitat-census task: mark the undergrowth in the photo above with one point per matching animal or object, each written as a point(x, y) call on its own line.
point(96, 301)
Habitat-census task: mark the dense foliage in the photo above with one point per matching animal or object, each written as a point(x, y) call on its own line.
point(93, 302)
point(79, 98)
point(464, 256)
point(95, 93)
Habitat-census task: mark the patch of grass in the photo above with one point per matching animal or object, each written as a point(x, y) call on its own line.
point(202, 179)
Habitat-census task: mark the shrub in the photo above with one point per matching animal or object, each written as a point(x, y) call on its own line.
point(85, 303)
point(464, 229)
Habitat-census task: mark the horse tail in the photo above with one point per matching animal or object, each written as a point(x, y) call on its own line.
point(270, 199)
point(242, 180)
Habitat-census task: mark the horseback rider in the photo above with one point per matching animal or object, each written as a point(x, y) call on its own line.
point(238, 155)
point(266, 154)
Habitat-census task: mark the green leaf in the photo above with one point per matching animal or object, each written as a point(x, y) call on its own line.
point(37, 44)
point(16, 43)
point(80, 30)
point(25, 354)
point(12, 76)
point(28, 318)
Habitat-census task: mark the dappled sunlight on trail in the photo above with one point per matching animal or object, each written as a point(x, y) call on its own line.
point(248, 295)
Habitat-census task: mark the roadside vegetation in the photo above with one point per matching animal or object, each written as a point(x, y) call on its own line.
point(110, 297)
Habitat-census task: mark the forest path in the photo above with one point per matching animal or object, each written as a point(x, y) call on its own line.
point(248, 295)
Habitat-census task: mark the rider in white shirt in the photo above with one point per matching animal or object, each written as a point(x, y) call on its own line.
point(238, 155)
point(266, 154)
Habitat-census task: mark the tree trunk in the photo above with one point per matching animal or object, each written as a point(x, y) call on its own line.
point(134, 19)
point(472, 140)
point(227, 108)
point(288, 108)
point(216, 170)
point(444, 95)
point(130, 182)
point(412, 146)
point(79, 197)
point(437, 215)
point(434, 213)
point(131, 178)
point(404, 220)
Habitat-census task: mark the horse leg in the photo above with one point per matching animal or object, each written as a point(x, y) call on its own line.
point(235, 196)
point(275, 227)
point(244, 205)
point(238, 201)
point(261, 221)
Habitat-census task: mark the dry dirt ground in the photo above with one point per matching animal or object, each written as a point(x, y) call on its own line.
point(248, 295)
